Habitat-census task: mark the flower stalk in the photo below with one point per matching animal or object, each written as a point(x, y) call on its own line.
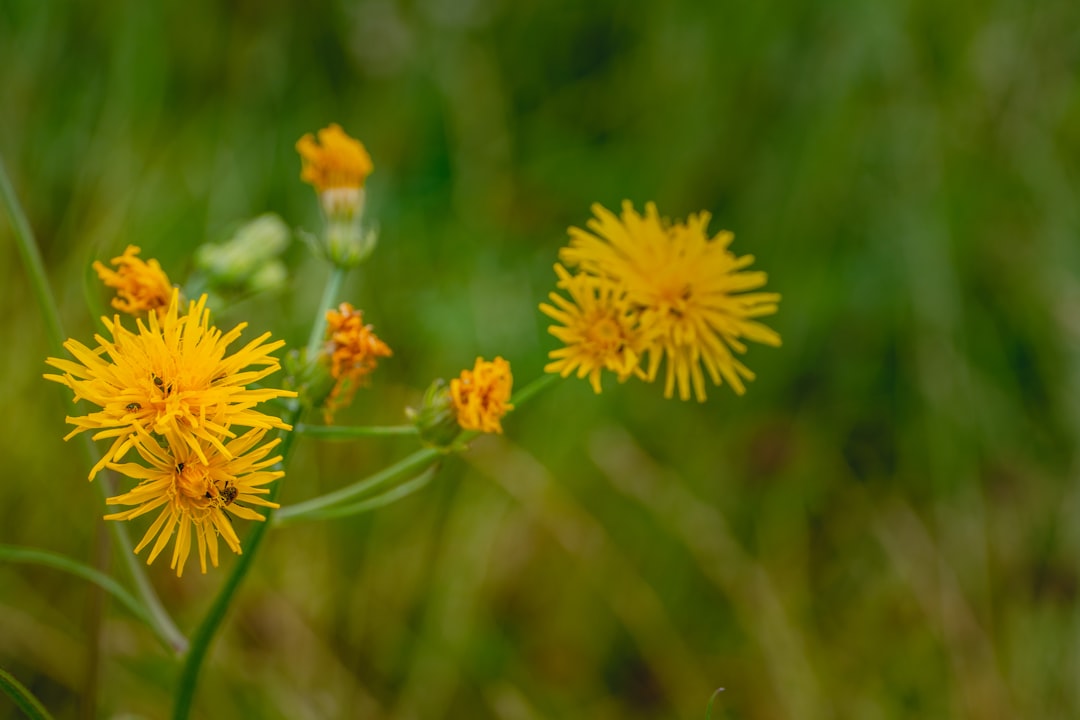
point(338, 502)
point(317, 507)
point(342, 432)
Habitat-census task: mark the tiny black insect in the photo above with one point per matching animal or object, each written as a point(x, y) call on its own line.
point(229, 492)
point(134, 406)
point(160, 385)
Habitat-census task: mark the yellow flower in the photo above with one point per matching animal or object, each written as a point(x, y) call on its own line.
point(140, 286)
point(195, 490)
point(354, 352)
point(337, 166)
point(690, 291)
point(172, 376)
point(481, 395)
point(335, 161)
point(599, 329)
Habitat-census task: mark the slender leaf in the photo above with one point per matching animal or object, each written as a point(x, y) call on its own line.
point(417, 461)
point(23, 698)
point(708, 709)
point(15, 554)
point(373, 503)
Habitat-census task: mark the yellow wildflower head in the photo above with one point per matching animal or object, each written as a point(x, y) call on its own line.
point(171, 377)
point(690, 292)
point(354, 352)
point(337, 166)
point(335, 161)
point(599, 329)
point(141, 286)
point(481, 395)
point(196, 491)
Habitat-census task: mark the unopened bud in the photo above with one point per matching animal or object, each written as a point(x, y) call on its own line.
point(436, 418)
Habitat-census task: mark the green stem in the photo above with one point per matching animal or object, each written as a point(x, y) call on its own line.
point(708, 710)
point(336, 432)
point(31, 256)
point(526, 393)
point(204, 634)
point(23, 698)
point(15, 554)
point(390, 496)
point(329, 505)
point(314, 507)
point(329, 299)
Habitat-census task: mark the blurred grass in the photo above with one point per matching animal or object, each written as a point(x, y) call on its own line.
point(885, 526)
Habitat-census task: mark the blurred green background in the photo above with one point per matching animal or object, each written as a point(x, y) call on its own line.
point(886, 526)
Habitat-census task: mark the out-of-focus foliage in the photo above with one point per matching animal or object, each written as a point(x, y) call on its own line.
point(886, 526)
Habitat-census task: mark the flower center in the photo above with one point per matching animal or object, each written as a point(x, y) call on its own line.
point(193, 483)
point(604, 335)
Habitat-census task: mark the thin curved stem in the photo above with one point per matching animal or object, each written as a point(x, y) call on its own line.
point(329, 298)
point(342, 432)
point(328, 505)
point(374, 503)
point(315, 506)
point(16, 554)
point(712, 699)
point(526, 393)
point(31, 256)
point(23, 698)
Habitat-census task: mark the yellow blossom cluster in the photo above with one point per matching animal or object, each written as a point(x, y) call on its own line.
point(481, 396)
point(354, 351)
point(335, 161)
point(171, 391)
point(140, 286)
point(648, 292)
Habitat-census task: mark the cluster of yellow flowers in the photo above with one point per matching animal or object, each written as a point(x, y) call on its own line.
point(634, 292)
point(171, 391)
point(646, 287)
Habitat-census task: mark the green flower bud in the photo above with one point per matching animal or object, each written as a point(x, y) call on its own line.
point(436, 419)
point(236, 262)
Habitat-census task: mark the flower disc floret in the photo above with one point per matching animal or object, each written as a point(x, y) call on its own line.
point(173, 376)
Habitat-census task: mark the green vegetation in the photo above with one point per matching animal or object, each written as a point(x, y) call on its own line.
point(887, 525)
